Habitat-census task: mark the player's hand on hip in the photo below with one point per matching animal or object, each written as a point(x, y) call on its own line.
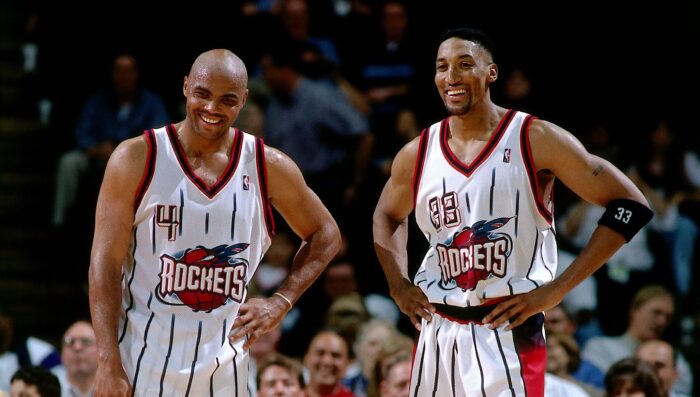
point(519, 308)
point(256, 317)
point(111, 381)
point(413, 302)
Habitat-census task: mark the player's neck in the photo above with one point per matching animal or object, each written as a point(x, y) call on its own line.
point(196, 145)
point(479, 123)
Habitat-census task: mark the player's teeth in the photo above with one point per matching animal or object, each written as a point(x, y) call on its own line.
point(210, 121)
point(456, 92)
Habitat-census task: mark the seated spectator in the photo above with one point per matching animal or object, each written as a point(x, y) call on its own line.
point(396, 381)
point(367, 345)
point(389, 375)
point(264, 349)
point(326, 361)
point(662, 356)
point(79, 360)
point(346, 316)
point(563, 358)
point(650, 314)
point(632, 377)
point(557, 320)
point(280, 376)
point(34, 382)
point(107, 119)
point(20, 352)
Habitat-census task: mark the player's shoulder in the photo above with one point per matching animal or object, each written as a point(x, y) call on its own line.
point(130, 156)
point(275, 157)
point(547, 138)
point(133, 148)
point(540, 128)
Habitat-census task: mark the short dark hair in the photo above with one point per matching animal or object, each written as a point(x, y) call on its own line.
point(471, 34)
point(46, 383)
point(634, 370)
point(280, 360)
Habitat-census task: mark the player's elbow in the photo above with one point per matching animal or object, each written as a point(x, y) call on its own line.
point(333, 238)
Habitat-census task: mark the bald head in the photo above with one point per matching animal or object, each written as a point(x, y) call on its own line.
point(219, 61)
point(216, 90)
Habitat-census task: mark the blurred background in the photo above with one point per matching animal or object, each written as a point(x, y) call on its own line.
point(624, 81)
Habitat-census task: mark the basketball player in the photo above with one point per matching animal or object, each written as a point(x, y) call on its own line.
point(183, 217)
point(480, 182)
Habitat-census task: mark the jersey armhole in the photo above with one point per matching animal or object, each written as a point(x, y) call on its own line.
point(420, 159)
point(262, 177)
point(530, 167)
point(149, 169)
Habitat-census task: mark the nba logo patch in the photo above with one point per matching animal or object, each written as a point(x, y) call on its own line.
point(506, 156)
point(246, 182)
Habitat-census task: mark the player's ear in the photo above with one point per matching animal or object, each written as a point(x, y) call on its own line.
point(493, 72)
point(184, 87)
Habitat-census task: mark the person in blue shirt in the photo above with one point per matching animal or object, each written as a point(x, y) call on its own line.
point(107, 118)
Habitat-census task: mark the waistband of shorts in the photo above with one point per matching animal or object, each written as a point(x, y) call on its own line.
point(470, 314)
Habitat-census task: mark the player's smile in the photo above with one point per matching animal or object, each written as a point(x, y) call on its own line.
point(210, 120)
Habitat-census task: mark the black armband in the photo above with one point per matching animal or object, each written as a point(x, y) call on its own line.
point(626, 217)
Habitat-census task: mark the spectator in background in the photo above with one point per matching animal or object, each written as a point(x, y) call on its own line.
point(396, 381)
point(297, 24)
point(518, 92)
point(79, 360)
point(563, 359)
point(280, 376)
point(650, 314)
point(367, 346)
point(390, 376)
point(107, 118)
point(326, 361)
point(34, 382)
point(661, 174)
point(662, 356)
point(632, 377)
point(274, 267)
point(20, 352)
point(316, 127)
point(558, 320)
point(346, 316)
point(264, 349)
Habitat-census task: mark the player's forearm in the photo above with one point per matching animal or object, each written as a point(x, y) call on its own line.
point(390, 239)
point(603, 244)
point(105, 304)
point(310, 261)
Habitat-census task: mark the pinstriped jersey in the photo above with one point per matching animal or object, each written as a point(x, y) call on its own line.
point(193, 251)
point(490, 233)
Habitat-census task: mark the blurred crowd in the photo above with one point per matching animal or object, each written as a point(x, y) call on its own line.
point(340, 86)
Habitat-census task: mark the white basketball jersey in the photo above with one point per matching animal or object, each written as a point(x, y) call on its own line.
point(194, 249)
point(490, 234)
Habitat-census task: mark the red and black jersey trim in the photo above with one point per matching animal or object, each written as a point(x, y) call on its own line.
point(209, 191)
point(420, 162)
point(150, 168)
point(530, 167)
point(262, 177)
point(485, 152)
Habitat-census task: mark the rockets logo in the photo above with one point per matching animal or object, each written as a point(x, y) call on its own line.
point(202, 278)
point(474, 254)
